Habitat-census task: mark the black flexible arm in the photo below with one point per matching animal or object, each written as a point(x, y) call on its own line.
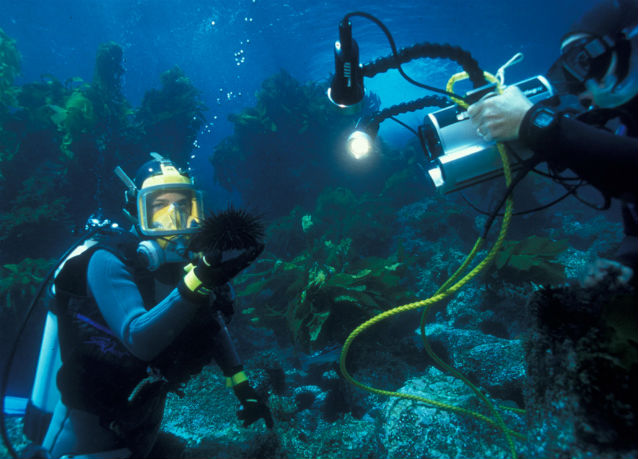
point(425, 50)
point(427, 101)
point(431, 50)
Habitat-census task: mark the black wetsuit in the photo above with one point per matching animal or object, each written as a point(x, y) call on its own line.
point(606, 160)
point(126, 339)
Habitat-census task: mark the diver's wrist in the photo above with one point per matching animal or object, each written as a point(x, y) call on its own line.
point(539, 126)
point(191, 286)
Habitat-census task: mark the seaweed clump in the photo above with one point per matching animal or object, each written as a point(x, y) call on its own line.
point(172, 116)
point(18, 282)
point(533, 259)
point(60, 137)
point(9, 70)
point(327, 271)
point(292, 144)
point(321, 302)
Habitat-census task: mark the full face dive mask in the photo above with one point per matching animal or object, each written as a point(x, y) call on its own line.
point(166, 209)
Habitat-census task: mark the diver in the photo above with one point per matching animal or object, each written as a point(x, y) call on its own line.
point(135, 324)
point(599, 65)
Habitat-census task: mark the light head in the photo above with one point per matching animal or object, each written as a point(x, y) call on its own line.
point(166, 209)
point(346, 87)
point(359, 144)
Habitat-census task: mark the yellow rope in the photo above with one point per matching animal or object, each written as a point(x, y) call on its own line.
point(459, 271)
point(443, 292)
point(488, 259)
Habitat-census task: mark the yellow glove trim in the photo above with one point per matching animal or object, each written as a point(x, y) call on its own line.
point(193, 283)
point(236, 379)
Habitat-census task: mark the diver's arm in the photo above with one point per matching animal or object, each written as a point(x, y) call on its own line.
point(144, 333)
point(607, 161)
point(225, 353)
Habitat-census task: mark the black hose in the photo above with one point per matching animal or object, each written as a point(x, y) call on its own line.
point(427, 101)
point(405, 107)
point(522, 212)
point(431, 50)
point(515, 181)
point(423, 50)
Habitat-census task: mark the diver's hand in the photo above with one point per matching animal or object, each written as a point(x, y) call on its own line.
point(216, 268)
point(499, 117)
point(220, 267)
point(253, 407)
point(602, 268)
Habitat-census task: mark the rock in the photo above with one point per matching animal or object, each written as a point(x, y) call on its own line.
point(582, 360)
point(493, 363)
point(415, 429)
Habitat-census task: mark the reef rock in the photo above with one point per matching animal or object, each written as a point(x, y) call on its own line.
point(494, 363)
point(415, 429)
point(582, 361)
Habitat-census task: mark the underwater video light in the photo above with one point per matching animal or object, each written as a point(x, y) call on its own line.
point(458, 156)
point(359, 144)
point(346, 87)
point(347, 84)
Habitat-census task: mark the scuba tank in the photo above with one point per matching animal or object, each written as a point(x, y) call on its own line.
point(44, 395)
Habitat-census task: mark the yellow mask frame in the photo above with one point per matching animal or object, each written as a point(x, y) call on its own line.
point(175, 217)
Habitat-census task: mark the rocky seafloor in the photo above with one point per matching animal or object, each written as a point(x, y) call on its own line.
point(558, 355)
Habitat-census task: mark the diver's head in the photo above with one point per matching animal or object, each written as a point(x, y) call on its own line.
point(599, 55)
point(166, 209)
point(167, 203)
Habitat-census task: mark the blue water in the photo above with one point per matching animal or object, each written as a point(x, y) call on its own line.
point(228, 48)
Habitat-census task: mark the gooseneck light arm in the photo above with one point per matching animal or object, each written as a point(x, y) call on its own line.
point(418, 51)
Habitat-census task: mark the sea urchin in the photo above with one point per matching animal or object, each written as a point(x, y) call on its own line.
point(230, 229)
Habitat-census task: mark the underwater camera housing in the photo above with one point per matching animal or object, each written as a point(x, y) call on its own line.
point(458, 156)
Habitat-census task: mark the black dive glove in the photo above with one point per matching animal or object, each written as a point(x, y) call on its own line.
point(253, 407)
point(216, 268)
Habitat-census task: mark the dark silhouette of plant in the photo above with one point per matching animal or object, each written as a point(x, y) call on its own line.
point(291, 145)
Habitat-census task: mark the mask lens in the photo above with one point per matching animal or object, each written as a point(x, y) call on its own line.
point(169, 210)
point(576, 63)
point(585, 59)
point(173, 216)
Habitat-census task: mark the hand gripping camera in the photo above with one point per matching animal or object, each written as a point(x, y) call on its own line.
point(458, 156)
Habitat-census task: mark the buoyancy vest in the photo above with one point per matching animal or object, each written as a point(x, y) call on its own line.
point(98, 373)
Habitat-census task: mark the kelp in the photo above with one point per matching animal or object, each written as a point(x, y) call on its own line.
point(320, 294)
point(9, 69)
point(292, 143)
point(532, 259)
point(109, 70)
point(95, 116)
point(60, 142)
point(172, 116)
point(328, 270)
point(19, 282)
point(35, 205)
point(76, 119)
point(339, 213)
